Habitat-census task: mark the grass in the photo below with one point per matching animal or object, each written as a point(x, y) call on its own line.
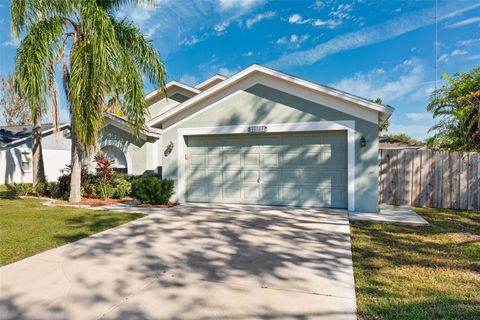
point(419, 273)
point(27, 227)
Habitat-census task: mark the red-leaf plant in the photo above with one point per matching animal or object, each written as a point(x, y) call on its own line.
point(104, 168)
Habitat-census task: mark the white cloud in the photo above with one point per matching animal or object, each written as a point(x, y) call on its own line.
point(293, 40)
point(342, 11)
point(418, 116)
point(13, 42)
point(227, 72)
point(236, 4)
point(297, 19)
point(189, 79)
point(326, 23)
point(463, 23)
point(318, 5)
point(259, 17)
point(369, 35)
point(446, 56)
point(248, 54)
point(457, 52)
point(469, 42)
point(405, 79)
point(175, 23)
point(443, 58)
point(190, 41)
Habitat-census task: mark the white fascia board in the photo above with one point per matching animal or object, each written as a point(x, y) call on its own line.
point(209, 80)
point(123, 124)
point(275, 74)
point(173, 83)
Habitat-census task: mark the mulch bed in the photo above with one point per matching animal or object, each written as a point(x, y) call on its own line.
point(93, 202)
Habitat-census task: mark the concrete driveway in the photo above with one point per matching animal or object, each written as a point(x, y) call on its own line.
point(194, 262)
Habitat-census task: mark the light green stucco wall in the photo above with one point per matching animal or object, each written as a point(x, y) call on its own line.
point(140, 151)
point(264, 105)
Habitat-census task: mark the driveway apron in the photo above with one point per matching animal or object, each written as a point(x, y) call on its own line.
point(195, 261)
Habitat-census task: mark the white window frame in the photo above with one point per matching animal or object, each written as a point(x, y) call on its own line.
point(347, 125)
point(28, 154)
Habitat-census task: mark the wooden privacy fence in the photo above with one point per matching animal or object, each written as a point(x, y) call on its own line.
point(427, 178)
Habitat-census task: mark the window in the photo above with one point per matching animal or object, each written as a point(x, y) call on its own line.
point(26, 161)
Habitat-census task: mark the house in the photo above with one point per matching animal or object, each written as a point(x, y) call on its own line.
point(16, 152)
point(257, 137)
point(262, 137)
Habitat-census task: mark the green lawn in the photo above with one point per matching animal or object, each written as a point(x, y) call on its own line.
point(419, 273)
point(27, 227)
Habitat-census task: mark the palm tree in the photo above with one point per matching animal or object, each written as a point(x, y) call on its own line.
point(105, 55)
point(456, 105)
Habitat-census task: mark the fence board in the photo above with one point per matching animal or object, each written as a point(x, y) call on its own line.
point(430, 178)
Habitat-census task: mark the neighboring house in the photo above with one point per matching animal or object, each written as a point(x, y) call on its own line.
point(16, 152)
point(386, 142)
point(257, 137)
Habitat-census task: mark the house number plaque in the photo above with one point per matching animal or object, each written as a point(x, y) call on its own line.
point(257, 129)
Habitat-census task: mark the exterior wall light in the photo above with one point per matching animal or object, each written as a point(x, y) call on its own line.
point(169, 149)
point(363, 142)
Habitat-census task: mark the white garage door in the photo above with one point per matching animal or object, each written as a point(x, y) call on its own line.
point(301, 169)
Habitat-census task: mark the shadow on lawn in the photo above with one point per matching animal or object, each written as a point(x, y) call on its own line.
point(425, 252)
point(185, 252)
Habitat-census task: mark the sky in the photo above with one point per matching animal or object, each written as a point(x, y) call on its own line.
point(371, 48)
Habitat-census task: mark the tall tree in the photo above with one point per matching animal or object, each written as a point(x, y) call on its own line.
point(15, 110)
point(456, 106)
point(107, 55)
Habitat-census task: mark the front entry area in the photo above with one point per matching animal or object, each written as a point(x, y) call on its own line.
point(298, 169)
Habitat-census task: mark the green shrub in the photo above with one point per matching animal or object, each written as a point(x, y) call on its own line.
point(104, 191)
point(19, 189)
point(122, 187)
point(89, 190)
point(152, 189)
point(41, 188)
point(55, 190)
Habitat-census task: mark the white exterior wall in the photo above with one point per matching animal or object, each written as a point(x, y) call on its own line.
point(11, 168)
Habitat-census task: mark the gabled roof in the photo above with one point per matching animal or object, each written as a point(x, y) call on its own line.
point(170, 85)
point(384, 111)
point(210, 82)
point(14, 134)
point(123, 124)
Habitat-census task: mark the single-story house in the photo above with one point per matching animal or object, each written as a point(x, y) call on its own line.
point(266, 137)
point(259, 136)
point(16, 152)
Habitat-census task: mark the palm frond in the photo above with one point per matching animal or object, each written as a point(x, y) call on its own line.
point(34, 57)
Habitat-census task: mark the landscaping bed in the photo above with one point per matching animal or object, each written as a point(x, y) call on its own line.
point(419, 273)
point(94, 202)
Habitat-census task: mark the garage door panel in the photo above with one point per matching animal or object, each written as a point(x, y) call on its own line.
point(252, 159)
point(232, 176)
point(198, 159)
point(271, 176)
point(232, 159)
point(232, 192)
point(270, 159)
point(251, 175)
point(284, 169)
point(251, 192)
point(214, 159)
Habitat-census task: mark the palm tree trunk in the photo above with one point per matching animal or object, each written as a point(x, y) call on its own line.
point(76, 165)
point(38, 168)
